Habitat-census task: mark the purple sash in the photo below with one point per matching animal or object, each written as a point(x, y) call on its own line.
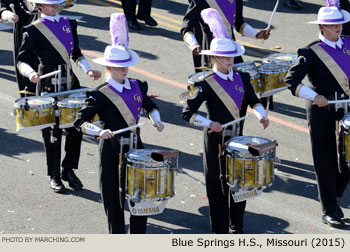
point(340, 56)
point(63, 31)
point(132, 98)
point(235, 88)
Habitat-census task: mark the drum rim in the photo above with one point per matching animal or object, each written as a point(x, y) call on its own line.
point(65, 104)
point(273, 71)
point(206, 74)
point(268, 57)
point(247, 155)
point(36, 106)
point(152, 163)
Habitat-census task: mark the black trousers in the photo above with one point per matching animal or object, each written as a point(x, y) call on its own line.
point(129, 8)
point(112, 186)
point(332, 173)
point(52, 141)
point(225, 214)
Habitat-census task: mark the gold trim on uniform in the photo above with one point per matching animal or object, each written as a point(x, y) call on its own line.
point(258, 104)
point(20, 67)
point(149, 113)
point(297, 90)
point(192, 119)
point(83, 127)
point(185, 36)
point(242, 28)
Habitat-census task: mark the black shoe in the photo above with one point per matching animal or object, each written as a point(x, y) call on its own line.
point(56, 185)
point(339, 212)
point(73, 181)
point(148, 20)
point(333, 220)
point(292, 4)
point(133, 24)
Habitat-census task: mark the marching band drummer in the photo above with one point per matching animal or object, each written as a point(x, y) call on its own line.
point(21, 17)
point(224, 93)
point(326, 62)
point(118, 103)
point(197, 35)
point(53, 40)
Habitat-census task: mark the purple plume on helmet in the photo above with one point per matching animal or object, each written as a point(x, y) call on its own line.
point(331, 3)
point(216, 25)
point(118, 28)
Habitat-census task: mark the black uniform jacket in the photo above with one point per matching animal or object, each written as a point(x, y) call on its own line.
point(217, 111)
point(308, 63)
point(98, 103)
point(192, 18)
point(25, 17)
point(36, 45)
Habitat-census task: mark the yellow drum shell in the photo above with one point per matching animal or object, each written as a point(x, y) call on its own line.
point(346, 143)
point(29, 121)
point(256, 173)
point(38, 114)
point(155, 183)
point(256, 85)
point(271, 81)
point(345, 134)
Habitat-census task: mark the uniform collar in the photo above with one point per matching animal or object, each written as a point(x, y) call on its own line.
point(51, 18)
point(338, 43)
point(228, 76)
point(118, 85)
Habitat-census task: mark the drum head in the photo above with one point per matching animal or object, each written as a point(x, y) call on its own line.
point(247, 67)
point(143, 157)
point(35, 102)
point(238, 146)
point(71, 103)
point(197, 77)
point(271, 68)
point(77, 95)
point(287, 58)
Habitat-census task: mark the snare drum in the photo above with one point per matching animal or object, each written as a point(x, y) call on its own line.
point(281, 58)
point(34, 113)
point(245, 171)
point(195, 78)
point(345, 135)
point(272, 76)
point(250, 67)
point(154, 180)
point(68, 111)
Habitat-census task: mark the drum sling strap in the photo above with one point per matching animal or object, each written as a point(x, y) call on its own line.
point(213, 4)
point(118, 101)
point(333, 67)
point(233, 109)
point(224, 97)
point(56, 43)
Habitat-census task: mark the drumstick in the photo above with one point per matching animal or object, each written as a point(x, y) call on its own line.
point(339, 101)
point(49, 74)
point(230, 123)
point(273, 14)
point(125, 129)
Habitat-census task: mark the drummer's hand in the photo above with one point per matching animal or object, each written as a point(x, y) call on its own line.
point(106, 134)
point(265, 122)
point(34, 77)
point(159, 126)
point(263, 34)
point(94, 73)
point(216, 126)
point(320, 101)
point(196, 49)
point(14, 18)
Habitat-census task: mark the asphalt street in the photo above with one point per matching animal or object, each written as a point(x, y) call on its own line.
point(290, 205)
